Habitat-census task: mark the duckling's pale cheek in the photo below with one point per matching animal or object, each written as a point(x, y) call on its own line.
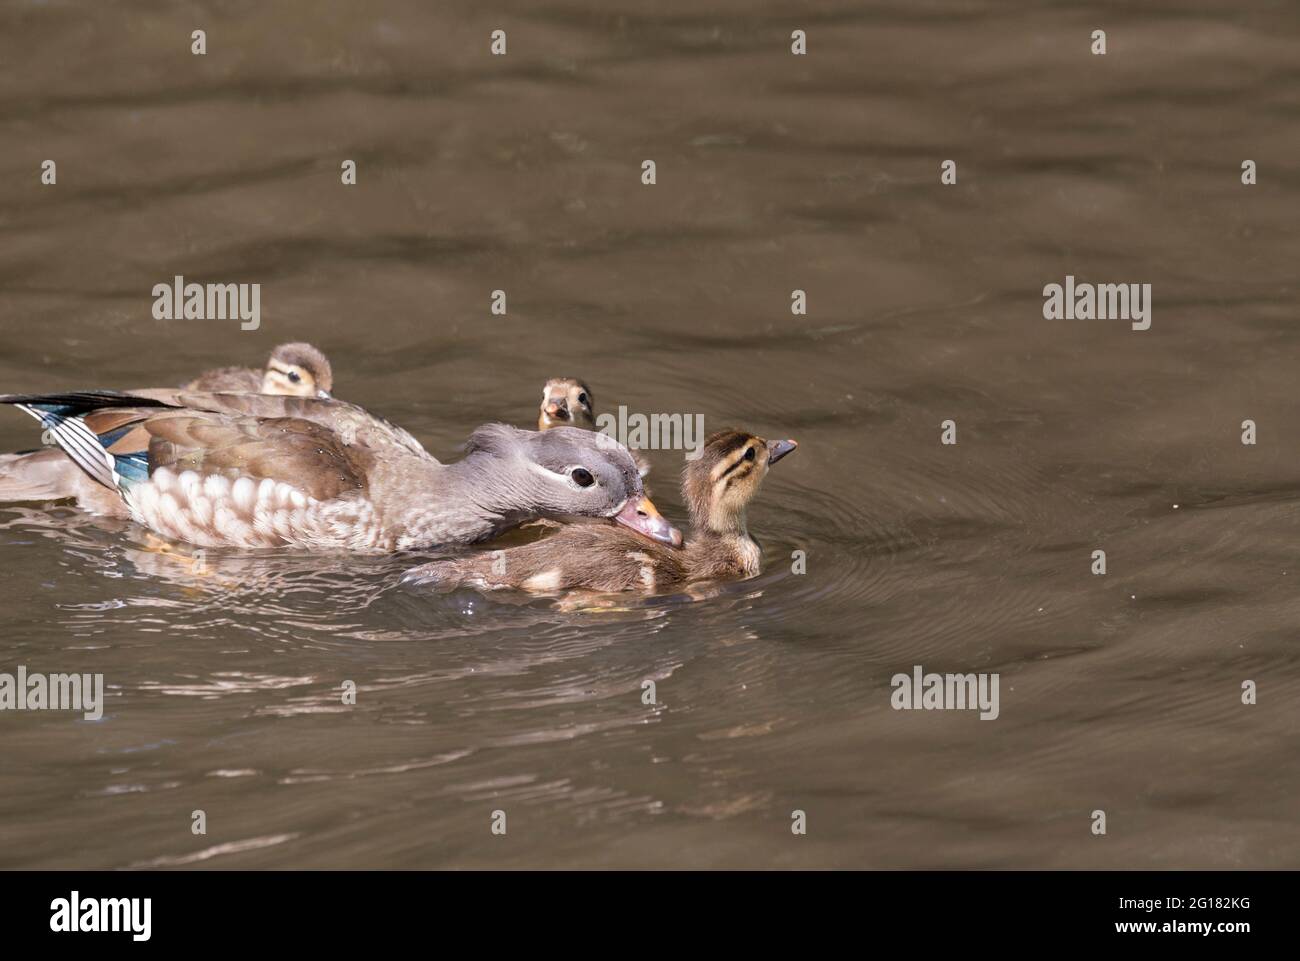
point(277, 384)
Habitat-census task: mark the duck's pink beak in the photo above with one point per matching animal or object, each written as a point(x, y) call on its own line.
point(642, 516)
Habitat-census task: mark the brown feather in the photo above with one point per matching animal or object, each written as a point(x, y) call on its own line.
point(297, 452)
point(228, 379)
point(111, 418)
point(134, 441)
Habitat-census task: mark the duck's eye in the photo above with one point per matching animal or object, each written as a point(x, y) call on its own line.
point(749, 454)
point(582, 477)
point(294, 377)
point(582, 399)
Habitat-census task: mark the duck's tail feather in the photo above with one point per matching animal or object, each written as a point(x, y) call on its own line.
point(83, 401)
point(64, 417)
point(79, 442)
point(42, 475)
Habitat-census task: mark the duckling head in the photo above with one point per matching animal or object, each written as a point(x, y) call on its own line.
point(566, 402)
point(724, 479)
point(299, 370)
point(567, 474)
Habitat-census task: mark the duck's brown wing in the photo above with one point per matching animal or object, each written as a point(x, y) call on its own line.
point(354, 425)
point(300, 453)
point(121, 439)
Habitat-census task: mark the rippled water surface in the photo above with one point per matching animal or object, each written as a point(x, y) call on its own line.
point(1119, 692)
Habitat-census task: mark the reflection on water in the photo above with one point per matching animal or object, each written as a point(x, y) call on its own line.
point(226, 679)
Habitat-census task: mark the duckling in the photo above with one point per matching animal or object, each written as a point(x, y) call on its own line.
point(260, 470)
point(717, 488)
point(566, 402)
point(297, 370)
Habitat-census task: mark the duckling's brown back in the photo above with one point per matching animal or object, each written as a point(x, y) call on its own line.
point(593, 557)
point(227, 379)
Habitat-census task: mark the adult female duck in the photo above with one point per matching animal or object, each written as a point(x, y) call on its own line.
point(257, 470)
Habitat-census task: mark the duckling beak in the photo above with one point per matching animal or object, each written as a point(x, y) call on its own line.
point(776, 449)
point(640, 515)
point(560, 410)
point(324, 394)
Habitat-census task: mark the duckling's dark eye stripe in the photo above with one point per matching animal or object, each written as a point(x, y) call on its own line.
point(734, 464)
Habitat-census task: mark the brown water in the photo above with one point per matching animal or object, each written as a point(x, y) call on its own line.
point(1119, 692)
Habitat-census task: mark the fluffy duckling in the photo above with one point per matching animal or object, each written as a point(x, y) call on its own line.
point(566, 402)
point(717, 488)
point(294, 370)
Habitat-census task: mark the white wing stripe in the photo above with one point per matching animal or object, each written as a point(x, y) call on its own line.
point(83, 447)
point(80, 443)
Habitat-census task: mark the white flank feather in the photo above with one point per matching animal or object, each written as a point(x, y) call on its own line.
point(216, 488)
point(243, 493)
point(201, 510)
